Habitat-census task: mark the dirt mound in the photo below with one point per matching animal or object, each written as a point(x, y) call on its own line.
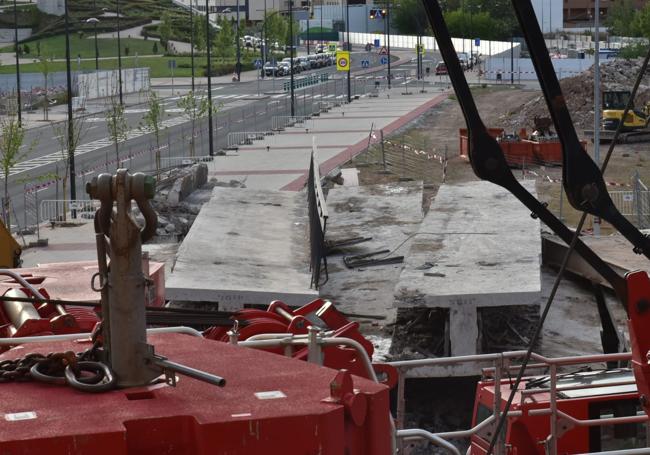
point(578, 90)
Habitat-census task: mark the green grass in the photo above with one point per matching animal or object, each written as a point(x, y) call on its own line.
point(157, 65)
point(55, 47)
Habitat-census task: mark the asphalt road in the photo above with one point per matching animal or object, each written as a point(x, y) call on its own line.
point(245, 106)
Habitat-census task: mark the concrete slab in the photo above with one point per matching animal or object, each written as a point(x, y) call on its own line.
point(246, 246)
point(477, 247)
point(387, 213)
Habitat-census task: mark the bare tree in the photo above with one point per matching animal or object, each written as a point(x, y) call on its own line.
point(44, 67)
point(12, 135)
point(195, 108)
point(116, 123)
point(153, 119)
point(68, 143)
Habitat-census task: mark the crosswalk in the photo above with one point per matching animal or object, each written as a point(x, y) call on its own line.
point(52, 158)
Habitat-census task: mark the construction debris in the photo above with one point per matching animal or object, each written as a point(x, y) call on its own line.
point(616, 74)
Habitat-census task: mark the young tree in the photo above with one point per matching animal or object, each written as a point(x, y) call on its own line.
point(620, 17)
point(276, 28)
point(116, 124)
point(68, 142)
point(195, 108)
point(153, 119)
point(44, 67)
point(199, 36)
point(12, 135)
point(224, 44)
point(165, 28)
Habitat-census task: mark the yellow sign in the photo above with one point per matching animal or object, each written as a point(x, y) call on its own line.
point(342, 61)
point(419, 49)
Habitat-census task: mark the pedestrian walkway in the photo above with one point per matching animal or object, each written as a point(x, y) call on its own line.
point(281, 160)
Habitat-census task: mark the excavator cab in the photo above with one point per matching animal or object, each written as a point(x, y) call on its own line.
point(614, 103)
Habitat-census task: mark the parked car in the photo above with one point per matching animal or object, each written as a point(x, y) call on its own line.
point(270, 69)
point(441, 69)
point(321, 48)
point(304, 63)
point(284, 69)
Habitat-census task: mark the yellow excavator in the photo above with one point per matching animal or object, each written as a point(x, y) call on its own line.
point(10, 250)
point(635, 126)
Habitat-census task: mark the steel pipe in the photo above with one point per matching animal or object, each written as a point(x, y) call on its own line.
point(434, 439)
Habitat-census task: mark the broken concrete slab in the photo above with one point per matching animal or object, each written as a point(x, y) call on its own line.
point(389, 214)
point(245, 247)
point(477, 247)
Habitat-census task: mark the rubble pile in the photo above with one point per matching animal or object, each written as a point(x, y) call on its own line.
point(616, 74)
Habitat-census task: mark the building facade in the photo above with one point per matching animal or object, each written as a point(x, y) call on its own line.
point(580, 12)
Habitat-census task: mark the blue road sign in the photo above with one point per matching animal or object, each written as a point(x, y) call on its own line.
point(365, 63)
point(383, 60)
point(477, 42)
point(377, 42)
point(258, 63)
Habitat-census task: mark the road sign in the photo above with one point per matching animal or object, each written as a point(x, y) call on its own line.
point(342, 61)
point(258, 63)
point(383, 51)
point(419, 49)
point(171, 64)
point(383, 60)
point(365, 63)
point(331, 47)
point(477, 42)
point(377, 42)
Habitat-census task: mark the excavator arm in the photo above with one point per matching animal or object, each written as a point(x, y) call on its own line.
point(583, 180)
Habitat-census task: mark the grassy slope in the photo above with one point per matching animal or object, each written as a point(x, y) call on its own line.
point(55, 47)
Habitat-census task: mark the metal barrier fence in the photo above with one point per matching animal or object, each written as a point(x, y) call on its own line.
point(180, 161)
point(318, 215)
point(634, 203)
point(245, 138)
point(305, 81)
point(58, 211)
point(280, 122)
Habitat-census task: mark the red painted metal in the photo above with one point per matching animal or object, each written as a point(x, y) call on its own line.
point(638, 307)
point(271, 405)
point(280, 318)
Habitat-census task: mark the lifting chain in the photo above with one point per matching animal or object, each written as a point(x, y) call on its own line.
point(79, 370)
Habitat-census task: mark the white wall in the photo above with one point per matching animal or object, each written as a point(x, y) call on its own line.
point(524, 70)
point(429, 43)
point(7, 35)
point(101, 84)
point(55, 7)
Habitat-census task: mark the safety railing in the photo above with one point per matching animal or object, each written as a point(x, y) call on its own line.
point(496, 367)
point(281, 122)
point(305, 81)
point(239, 138)
point(180, 161)
point(59, 211)
point(318, 215)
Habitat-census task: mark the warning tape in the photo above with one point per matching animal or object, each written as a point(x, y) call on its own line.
point(552, 180)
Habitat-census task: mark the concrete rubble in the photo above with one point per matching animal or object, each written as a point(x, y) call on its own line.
point(618, 74)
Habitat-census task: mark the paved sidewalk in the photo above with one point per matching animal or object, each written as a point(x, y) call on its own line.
point(281, 161)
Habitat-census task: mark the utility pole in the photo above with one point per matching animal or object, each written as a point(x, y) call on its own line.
point(388, 40)
point(238, 69)
point(209, 40)
point(597, 98)
point(349, 47)
point(263, 45)
point(18, 101)
point(192, 42)
point(293, 109)
point(119, 54)
point(73, 187)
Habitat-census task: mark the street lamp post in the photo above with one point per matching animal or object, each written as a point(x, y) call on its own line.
point(192, 42)
point(95, 21)
point(71, 170)
point(293, 109)
point(209, 45)
point(388, 40)
point(20, 115)
point(238, 69)
point(349, 48)
point(119, 54)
